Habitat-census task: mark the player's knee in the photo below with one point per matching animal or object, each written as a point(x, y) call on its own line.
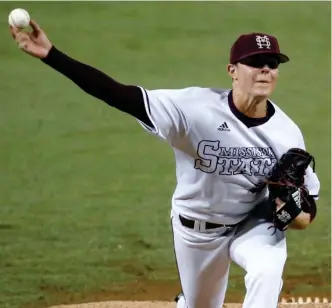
point(269, 273)
point(270, 270)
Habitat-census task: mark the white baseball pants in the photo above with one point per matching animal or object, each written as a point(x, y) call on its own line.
point(203, 260)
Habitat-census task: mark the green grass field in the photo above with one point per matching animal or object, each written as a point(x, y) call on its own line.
point(85, 192)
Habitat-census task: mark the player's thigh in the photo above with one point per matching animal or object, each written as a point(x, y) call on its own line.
point(258, 247)
point(203, 264)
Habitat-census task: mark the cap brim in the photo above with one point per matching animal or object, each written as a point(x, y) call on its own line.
point(282, 57)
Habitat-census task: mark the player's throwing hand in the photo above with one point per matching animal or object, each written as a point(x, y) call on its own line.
point(35, 43)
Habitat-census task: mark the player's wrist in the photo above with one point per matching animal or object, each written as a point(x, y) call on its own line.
point(51, 54)
point(286, 212)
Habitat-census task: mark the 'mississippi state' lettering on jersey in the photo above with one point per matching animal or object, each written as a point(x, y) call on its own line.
point(256, 161)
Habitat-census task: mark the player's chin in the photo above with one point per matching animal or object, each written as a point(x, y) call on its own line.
point(263, 90)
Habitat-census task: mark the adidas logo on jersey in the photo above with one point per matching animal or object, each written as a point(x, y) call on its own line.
point(224, 127)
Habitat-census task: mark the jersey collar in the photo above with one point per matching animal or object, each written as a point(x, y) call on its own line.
point(250, 122)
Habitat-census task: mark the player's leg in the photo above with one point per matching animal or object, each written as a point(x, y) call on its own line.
point(203, 263)
point(262, 253)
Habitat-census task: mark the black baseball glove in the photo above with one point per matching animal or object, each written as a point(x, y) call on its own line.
point(287, 183)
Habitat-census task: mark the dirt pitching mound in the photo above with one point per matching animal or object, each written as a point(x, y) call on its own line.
point(151, 304)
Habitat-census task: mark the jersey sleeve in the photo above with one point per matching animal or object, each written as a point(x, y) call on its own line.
point(312, 183)
point(168, 113)
point(311, 179)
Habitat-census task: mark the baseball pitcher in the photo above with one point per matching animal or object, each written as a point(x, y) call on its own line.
point(244, 176)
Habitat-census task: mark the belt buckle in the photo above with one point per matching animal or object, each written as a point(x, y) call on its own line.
point(199, 225)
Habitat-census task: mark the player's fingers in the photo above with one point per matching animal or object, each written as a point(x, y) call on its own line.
point(21, 36)
point(32, 36)
point(35, 26)
point(22, 40)
point(23, 45)
point(14, 31)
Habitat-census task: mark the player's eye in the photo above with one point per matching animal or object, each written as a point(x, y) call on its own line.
point(259, 62)
point(272, 63)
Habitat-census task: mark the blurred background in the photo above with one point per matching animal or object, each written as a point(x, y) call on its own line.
point(85, 192)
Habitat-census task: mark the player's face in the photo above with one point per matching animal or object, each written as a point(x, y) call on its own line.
point(257, 75)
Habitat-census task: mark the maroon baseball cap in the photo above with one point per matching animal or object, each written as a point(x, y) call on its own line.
point(253, 44)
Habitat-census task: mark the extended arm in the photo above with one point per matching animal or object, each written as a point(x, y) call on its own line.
point(126, 98)
point(158, 111)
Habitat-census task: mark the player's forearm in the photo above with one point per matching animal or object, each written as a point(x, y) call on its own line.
point(305, 217)
point(126, 98)
point(301, 221)
point(309, 211)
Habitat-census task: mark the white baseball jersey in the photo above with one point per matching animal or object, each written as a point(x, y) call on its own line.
point(222, 157)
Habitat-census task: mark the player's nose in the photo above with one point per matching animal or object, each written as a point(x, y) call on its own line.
point(265, 68)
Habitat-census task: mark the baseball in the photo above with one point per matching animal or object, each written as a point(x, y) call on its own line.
point(19, 18)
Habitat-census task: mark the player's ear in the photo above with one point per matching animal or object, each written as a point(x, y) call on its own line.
point(231, 69)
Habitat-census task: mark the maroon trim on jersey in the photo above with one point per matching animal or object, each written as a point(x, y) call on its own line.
point(250, 122)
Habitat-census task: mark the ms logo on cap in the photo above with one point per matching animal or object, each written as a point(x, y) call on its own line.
point(263, 41)
point(255, 43)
